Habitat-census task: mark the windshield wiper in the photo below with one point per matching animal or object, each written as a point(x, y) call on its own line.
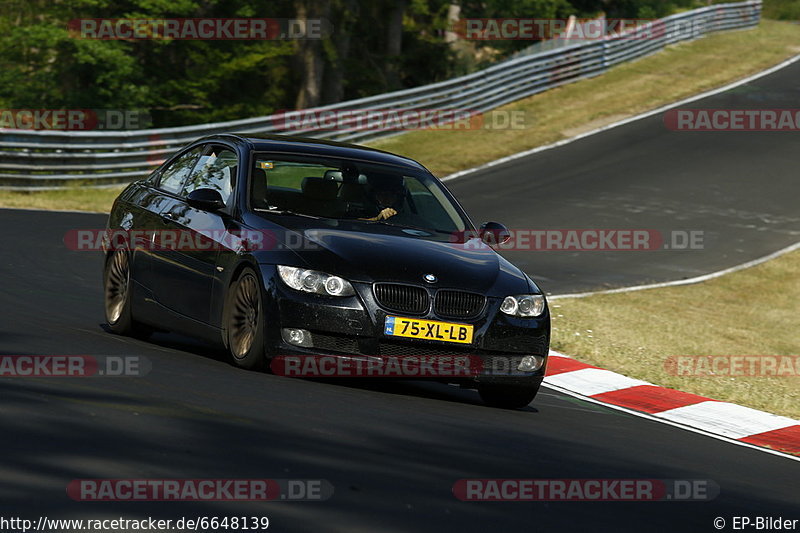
point(388, 223)
point(284, 212)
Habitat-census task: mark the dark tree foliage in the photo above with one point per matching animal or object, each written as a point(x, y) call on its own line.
point(374, 46)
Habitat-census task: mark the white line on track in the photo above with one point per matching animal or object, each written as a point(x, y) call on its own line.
point(706, 94)
point(688, 281)
point(628, 120)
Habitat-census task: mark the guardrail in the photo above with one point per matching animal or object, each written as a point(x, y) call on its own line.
point(53, 159)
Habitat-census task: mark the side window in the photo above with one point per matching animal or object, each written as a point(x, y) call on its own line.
point(216, 170)
point(175, 174)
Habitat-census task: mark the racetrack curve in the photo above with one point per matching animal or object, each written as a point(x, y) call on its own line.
point(393, 450)
point(739, 188)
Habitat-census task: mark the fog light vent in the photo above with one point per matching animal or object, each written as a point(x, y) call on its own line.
point(297, 337)
point(531, 363)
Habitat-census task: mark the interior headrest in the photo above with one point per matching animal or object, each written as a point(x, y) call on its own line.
point(258, 187)
point(319, 188)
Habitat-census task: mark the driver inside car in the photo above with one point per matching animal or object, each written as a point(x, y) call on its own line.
point(387, 193)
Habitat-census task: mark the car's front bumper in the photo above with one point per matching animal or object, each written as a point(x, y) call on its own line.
point(353, 327)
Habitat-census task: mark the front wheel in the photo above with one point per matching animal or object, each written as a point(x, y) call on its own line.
point(244, 321)
point(117, 292)
point(507, 396)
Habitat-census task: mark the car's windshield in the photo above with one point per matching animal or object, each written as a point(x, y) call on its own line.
point(355, 191)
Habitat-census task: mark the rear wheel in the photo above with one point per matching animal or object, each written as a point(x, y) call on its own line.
point(117, 296)
point(507, 396)
point(245, 321)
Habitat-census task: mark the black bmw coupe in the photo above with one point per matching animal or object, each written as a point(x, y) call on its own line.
point(277, 246)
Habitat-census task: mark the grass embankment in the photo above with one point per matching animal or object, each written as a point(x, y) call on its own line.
point(675, 73)
point(750, 312)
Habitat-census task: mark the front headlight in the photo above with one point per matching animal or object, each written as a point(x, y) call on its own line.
point(316, 282)
point(526, 305)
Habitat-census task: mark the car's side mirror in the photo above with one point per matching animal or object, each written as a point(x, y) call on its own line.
point(206, 199)
point(494, 233)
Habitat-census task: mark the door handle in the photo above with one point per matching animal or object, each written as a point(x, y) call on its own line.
point(168, 217)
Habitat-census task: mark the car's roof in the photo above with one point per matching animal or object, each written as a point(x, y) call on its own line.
point(306, 145)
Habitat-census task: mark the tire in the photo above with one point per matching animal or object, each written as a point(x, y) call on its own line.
point(244, 322)
point(117, 296)
point(507, 396)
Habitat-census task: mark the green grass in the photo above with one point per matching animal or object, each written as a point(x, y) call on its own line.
point(71, 199)
point(750, 312)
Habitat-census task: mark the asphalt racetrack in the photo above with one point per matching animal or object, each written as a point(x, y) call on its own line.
point(739, 189)
point(393, 450)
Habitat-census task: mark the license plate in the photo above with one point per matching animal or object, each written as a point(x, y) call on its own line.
point(432, 330)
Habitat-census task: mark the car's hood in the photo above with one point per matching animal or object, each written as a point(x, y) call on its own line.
point(368, 253)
